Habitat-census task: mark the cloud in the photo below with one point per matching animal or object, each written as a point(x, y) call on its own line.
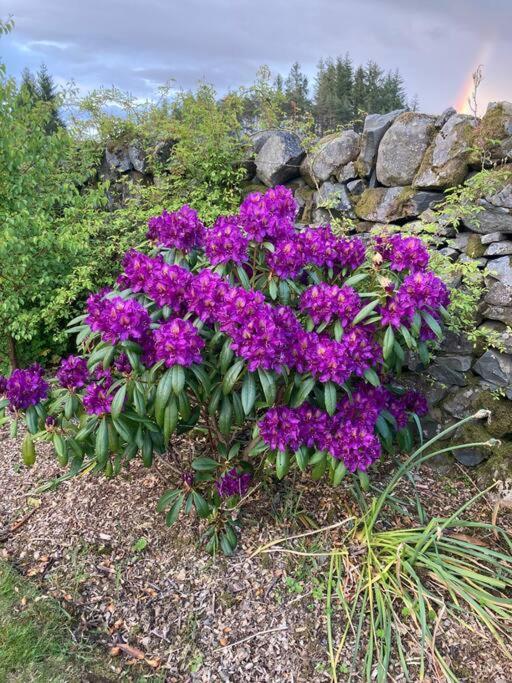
point(137, 45)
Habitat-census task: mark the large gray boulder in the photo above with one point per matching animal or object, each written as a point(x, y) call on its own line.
point(402, 148)
point(492, 139)
point(494, 213)
point(389, 204)
point(375, 125)
point(501, 269)
point(329, 155)
point(446, 161)
point(279, 157)
point(495, 367)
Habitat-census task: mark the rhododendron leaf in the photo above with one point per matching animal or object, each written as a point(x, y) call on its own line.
point(78, 319)
point(318, 470)
point(272, 289)
point(174, 512)
point(389, 340)
point(163, 393)
point(139, 400)
point(282, 464)
point(122, 428)
point(317, 457)
point(147, 450)
point(202, 507)
point(303, 392)
point(225, 416)
point(231, 536)
point(355, 279)
point(330, 397)
point(31, 420)
point(202, 378)
point(268, 385)
point(226, 356)
point(238, 411)
point(284, 292)
point(28, 450)
point(365, 311)
point(339, 473)
point(108, 357)
point(248, 394)
point(364, 480)
point(338, 330)
point(177, 379)
point(82, 336)
point(118, 402)
point(13, 430)
point(243, 277)
point(170, 420)
point(302, 458)
point(408, 339)
point(433, 324)
point(231, 376)
point(371, 376)
point(204, 464)
point(226, 546)
point(424, 353)
point(215, 400)
point(101, 449)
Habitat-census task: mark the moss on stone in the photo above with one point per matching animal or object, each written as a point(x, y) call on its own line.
point(247, 188)
point(500, 424)
point(369, 201)
point(475, 248)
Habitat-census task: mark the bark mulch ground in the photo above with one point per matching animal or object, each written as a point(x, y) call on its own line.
point(167, 610)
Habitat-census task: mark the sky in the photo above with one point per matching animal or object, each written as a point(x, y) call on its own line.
point(138, 45)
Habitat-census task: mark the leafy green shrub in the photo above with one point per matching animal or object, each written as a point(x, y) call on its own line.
point(272, 341)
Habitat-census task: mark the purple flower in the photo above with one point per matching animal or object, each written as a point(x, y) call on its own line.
point(354, 444)
point(323, 302)
point(177, 342)
point(188, 477)
point(72, 373)
point(420, 291)
point(3, 385)
point(27, 387)
point(180, 229)
point(138, 269)
point(224, 242)
point(403, 253)
point(205, 295)
point(233, 483)
point(280, 429)
point(167, 286)
point(50, 422)
point(97, 399)
point(288, 259)
point(351, 252)
point(117, 319)
point(122, 364)
point(270, 215)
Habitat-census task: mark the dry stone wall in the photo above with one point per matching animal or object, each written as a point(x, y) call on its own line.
point(394, 172)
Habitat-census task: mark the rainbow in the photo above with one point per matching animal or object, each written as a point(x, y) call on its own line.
point(461, 104)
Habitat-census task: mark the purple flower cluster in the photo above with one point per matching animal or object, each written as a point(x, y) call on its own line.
point(403, 253)
point(177, 342)
point(324, 302)
point(97, 399)
point(420, 291)
point(270, 215)
point(233, 483)
point(225, 242)
point(72, 373)
point(180, 229)
point(348, 435)
point(27, 387)
point(117, 319)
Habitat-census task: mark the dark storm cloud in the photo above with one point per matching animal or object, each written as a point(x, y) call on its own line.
point(138, 45)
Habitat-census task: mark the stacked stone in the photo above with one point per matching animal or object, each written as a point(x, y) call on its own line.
point(394, 172)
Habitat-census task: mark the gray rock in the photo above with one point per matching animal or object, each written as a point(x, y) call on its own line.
point(499, 249)
point(489, 219)
point(503, 198)
point(501, 313)
point(457, 363)
point(118, 159)
point(347, 172)
point(461, 241)
point(458, 403)
point(499, 294)
point(278, 159)
point(329, 155)
point(470, 456)
point(500, 331)
point(356, 187)
point(456, 344)
point(137, 158)
point(444, 116)
point(494, 134)
point(495, 368)
point(450, 253)
point(479, 262)
point(492, 237)
point(446, 375)
point(446, 162)
point(389, 204)
point(402, 148)
point(375, 126)
point(501, 269)
point(333, 197)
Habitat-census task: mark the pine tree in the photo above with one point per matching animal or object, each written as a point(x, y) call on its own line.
point(326, 97)
point(359, 93)
point(344, 85)
point(297, 90)
point(41, 88)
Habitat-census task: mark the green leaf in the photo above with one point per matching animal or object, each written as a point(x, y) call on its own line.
point(215, 400)
point(32, 420)
point(371, 376)
point(355, 279)
point(330, 397)
point(302, 458)
point(28, 450)
point(339, 473)
point(204, 464)
point(170, 420)
point(163, 392)
point(174, 512)
point(147, 450)
point(303, 392)
point(225, 416)
point(118, 402)
point(202, 378)
point(231, 376)
point(243, 277)
point(167, 499)
point(365, 311)
point(364, 480)
point(248, 394)
point(318, 470)
point(433, 324)
point(389, 340)
point(226, 546)
point(282, 464)
point(101, 449)
point(177, 379)
point(202, 507)
point(272, 289)
point(268, 385)
point(226, 356)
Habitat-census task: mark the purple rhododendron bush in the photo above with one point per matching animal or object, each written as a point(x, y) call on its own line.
point(282, 345)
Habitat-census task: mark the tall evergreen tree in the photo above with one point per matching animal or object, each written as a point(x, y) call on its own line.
point(41, 88)
point(297, 90)
point(344, 85)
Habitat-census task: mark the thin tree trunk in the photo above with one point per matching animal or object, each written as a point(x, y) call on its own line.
point(11, 352)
